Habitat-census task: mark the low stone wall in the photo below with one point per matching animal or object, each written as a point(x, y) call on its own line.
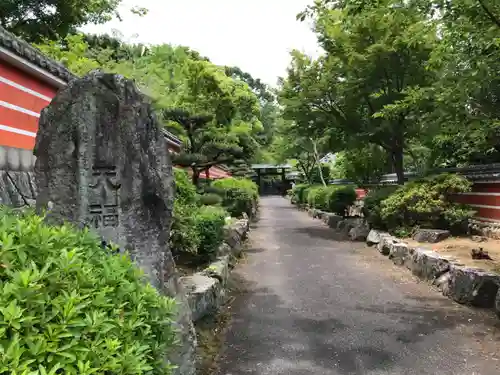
point(465, 285)
point(17, 182)
point(206, 290)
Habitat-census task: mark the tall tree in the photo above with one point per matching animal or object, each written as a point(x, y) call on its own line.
point(376, 57)
point(35, 20)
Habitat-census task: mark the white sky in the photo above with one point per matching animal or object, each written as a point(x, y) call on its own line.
point(255, 35)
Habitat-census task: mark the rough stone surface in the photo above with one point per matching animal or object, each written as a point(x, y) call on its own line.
point(344, 226)
point(204, 294)
point(224, 249)
point(219, 270)
point(473, 286)
point(431, 235)
point(17, 188)
point(399, 252)
point(443, 283)
point(428, 264)
point(359, 232)
point(385, 244)
point(102, 162)
point(235, 234)
point(332, 220)
point(375, 236)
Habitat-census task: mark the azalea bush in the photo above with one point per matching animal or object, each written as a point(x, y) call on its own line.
point(69, 306)
point(428, 203)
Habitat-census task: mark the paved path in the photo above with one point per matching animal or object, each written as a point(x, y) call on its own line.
point(319, 306)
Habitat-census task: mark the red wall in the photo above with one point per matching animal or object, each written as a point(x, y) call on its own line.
point(21, 99)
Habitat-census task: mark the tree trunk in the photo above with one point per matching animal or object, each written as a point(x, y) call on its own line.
point(316, 158)
point(397, 163)
point(195, 178)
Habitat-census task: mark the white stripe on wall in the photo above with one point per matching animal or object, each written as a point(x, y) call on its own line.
point(484, 206)
point(25, 89)
point(486, 219)
point(481, 193)
point(17, 131)
point(19, 109)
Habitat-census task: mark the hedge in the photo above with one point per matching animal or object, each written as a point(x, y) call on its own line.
point(69, 306)
point(239, 195)
point(331, 198)
point(197, 227)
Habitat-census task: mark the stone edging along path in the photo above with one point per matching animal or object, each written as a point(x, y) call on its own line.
point(206, 289)
point(465, 285)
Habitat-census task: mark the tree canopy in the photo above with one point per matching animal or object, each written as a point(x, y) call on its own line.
point(417, 80)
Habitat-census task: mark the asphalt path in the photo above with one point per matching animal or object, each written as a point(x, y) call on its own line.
point(316, 305)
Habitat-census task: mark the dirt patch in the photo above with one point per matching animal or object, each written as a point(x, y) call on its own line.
point(460, 248)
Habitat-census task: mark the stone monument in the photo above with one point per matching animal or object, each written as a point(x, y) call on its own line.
point(102, 162)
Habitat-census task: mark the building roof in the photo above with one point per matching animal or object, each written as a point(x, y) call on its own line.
point(10, 43)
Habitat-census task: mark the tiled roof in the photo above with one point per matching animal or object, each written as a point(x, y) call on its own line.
point(23, 49)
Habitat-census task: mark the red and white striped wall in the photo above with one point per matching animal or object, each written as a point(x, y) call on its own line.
point(484, 199)
point(22, 97)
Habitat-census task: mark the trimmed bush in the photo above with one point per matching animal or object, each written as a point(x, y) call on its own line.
point(372, 206)
point(68, 306)
point(339, 199)
point(299, 193)
point(210, 199)
point(184, 237)
point(332, 198)
point(427, 203)
point(239, 195)
point(210, 223)
point(316, 196)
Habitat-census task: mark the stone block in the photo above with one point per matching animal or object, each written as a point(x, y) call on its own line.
point(385, 244)
point(428, 265)
point(332, 220)
point(431, 235)
point(399, 252)
point(473, 286)
point(223, 249)
point(218, 269)
point(204, 294)
point(443, 283)
point(360, 231)
point(375, 236)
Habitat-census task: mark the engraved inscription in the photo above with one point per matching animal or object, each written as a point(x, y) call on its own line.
point(103, 199)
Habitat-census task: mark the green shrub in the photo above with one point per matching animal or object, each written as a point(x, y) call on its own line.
point(210, 223)
point(185, 191)
point(298, 193)
point(68, 306)
point(238, 195)
point(372, 206)
point(339, 198)
point(184, 237)
point(210, 199)
point(316, 196)
point(427, 203)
